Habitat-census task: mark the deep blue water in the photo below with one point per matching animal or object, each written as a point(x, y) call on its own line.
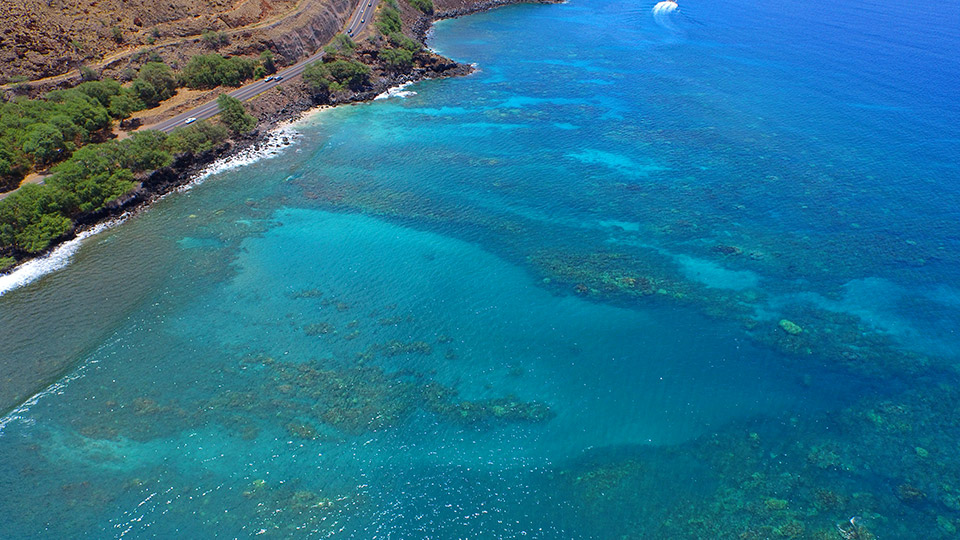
point(694, 275)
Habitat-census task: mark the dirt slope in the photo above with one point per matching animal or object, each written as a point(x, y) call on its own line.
point(41, 38)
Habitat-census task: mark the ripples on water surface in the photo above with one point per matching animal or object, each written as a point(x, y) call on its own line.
point(691, 275)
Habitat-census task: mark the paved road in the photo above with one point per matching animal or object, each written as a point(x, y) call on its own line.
point(361, 18)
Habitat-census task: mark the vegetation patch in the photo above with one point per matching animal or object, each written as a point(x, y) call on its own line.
point(336, 75)
point(200, 136)
point(234, 116)
point(94, 176)
point(388, 20)
point(426, 6)
point(206, 71)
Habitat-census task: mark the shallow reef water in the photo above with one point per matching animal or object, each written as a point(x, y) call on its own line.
point(692, 275)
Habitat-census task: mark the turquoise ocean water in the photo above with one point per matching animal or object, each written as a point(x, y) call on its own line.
point(693, 274)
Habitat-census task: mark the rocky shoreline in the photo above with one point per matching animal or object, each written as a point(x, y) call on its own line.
point(285, 104)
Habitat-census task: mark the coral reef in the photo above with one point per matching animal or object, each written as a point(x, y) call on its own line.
point(785, 478)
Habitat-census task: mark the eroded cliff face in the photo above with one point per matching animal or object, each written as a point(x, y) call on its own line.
point(46, 38)
point(307, 31)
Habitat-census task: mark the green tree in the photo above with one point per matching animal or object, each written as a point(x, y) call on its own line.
point(13, 166)
point(398, 39)
point(37, 236)
point(335, 76)
point(388, 21)
point(145, 92)
point(161, 77)
point(94, 176)
point(350, 73)
point(317, 77)
point(32, 217)
point(234, 116)
point(67, 127)
point(124, 104)
point(145, 151)
point(83, 110)
point(341, 46)
point(101, 91)
point(212, 70)
point(45, 143)
point(397, 59)
point(199, 136)
point(266, 60)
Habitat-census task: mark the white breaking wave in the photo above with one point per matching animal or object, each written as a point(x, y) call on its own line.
point(30, 271)
point(55, 388)
point(397, 91)
point(274, 143)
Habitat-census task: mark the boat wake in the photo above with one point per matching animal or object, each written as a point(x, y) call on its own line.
point(662, 12)
point(664, 8)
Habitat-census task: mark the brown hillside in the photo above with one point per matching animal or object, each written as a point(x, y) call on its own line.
point(42, 38)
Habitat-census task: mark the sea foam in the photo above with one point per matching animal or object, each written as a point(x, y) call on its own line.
point(397, 91)
point(32, 270)
point(275, 142)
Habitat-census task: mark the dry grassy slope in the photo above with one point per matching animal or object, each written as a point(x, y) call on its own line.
point(40, 38)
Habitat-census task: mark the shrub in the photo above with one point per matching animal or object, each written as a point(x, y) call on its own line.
point(32, 217)
point(14, 164)
point(45, 142)
point(336, 75)
point(46, 130)
point(145, 92)
point(161, 77)
point(425, 6)
point(341, 46)
point(234, 116)
point(317, 77)
point(211, 70)
point(88, 74)
point(388, 21)
point(215, 39)
point(124, 104)
point(101, 91)
point(266, 60)
point(99, 173)
point(92, 177)
point(197, 137)
point(397, 58)
point(400, 40)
